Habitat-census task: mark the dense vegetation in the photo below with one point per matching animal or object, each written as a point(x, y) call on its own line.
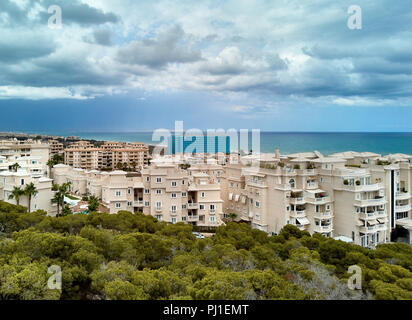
point(132, 256)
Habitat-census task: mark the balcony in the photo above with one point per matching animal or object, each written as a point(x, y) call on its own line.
point(298, 214)
point(367, 215)
point(368, 229)
point(381, 227)
point(307, 172)
point(193, 205)
point(298, 200)
point(403, 208)
point(320, 200)
point(159, 209)
point(371, 202)
point(312, 185)
point(323, 215)
point(403, 195)
point(138, 204)
point(192, 218)
point(323, 229)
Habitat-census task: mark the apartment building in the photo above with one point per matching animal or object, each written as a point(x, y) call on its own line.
point(56, 147)
point(360, 197)
point(111, 155)
point(162, 190)
point(14, 149)
point(20, 179)
point(83, 156)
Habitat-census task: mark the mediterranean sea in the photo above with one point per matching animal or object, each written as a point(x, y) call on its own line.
point(287, 142)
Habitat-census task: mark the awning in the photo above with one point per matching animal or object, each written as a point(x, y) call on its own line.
point(359, 223)
point(237, 198)
point(383, 220)
point(303, 221)
point(230, 196)
point(372, 222)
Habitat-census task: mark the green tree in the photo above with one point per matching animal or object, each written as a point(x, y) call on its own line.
point(15, 167)
point(61, 192)
point(30, 190)
point(16, 194)
point(93, 204)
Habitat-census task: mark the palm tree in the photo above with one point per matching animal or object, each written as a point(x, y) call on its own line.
point(16, 194)
point(93, 204)
point(61, 192)
point(30, 191)
point(15, 166)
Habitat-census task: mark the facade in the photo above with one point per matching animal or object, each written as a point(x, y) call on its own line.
point(162, 190)
point(13, 149)
point(360, 197)
point(110, 155)
point(56, 147)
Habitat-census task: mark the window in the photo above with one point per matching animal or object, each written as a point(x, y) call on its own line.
point(129, 204)
point(287, 208)
point(218, 173)
point(158, 205)
point(184, 194)
point(118, 205)
point(183, 218)
point(22, 181)
point(147, 204)
point(174, 195)
point(257, 204)
point(158, 191)
point(174, 208)
point(147, 191)
point(212, 219)
point(212, 208)
point(158, 180)
point(292, 183)
point(202, 207)
point(174, 183)
point(147, 179)
point(183, 181)
point(173, 220)
point(183, 206)
point(202, 194)
point(129, 191)
point(159, 217)
point(231, 184)
point(118, 193)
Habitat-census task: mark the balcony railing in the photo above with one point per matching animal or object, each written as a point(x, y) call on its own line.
point(193, 218)
point(403, 208)
point(137, 203)
point(193, 205)
point(298, 213)
point(327, 228)
point(323, 215)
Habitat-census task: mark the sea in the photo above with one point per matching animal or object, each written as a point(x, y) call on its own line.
point(287, 142)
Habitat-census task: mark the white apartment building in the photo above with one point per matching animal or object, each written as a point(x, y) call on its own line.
point(20, 179)
point(359, 197)
point(162, 190)
point(12, 150)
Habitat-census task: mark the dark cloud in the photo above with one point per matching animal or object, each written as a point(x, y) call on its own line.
point(170, 46)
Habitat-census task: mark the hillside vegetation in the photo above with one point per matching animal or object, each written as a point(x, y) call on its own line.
point(133, 256)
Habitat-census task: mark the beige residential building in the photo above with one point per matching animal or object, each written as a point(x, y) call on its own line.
point(14, 149)
point(110, 155)
point(358, 197)
point(162, 190)
point(20, 179)
point(56, 147)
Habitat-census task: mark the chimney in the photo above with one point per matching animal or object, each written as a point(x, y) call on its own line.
point(277, 156)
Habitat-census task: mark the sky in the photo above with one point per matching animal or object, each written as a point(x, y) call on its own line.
point(278, 65)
